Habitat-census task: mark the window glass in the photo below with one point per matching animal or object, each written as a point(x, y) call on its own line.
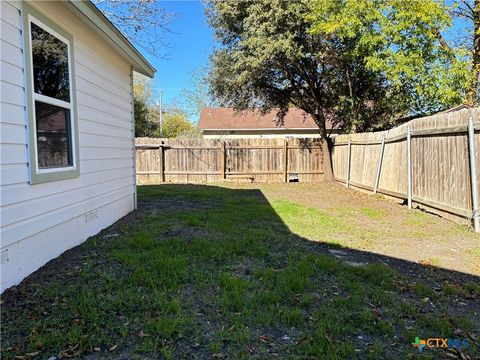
point(50, 64)
point(53, 136)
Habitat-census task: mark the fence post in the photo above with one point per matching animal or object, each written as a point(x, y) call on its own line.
point(409, 167)
point(285, 160)
point(379, 165)
point(349, 156)
point(222, 159)
point(473, 174)
point(162, 163)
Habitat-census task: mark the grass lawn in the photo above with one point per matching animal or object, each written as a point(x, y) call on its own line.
point(246, 272)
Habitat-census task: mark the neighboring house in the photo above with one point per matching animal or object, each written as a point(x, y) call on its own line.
point(225, 123)
point(67, 130)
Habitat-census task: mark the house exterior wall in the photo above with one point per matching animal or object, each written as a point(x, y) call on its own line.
point(258, 134)
point(41, 221)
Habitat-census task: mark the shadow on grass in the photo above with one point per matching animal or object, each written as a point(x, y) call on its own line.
point(205, 271)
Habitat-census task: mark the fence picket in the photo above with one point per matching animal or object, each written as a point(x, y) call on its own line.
point(430, 168)
point(200, 160)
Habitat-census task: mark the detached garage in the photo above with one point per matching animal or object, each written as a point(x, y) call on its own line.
point(67, 130)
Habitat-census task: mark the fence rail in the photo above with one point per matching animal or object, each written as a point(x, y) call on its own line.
point(431, 161)
point(200, 160)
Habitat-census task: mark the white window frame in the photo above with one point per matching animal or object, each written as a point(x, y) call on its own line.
point(38, 175)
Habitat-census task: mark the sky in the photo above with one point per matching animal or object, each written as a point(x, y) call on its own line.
point(191, 42)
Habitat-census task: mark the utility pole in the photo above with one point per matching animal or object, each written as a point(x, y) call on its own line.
point(159, 104)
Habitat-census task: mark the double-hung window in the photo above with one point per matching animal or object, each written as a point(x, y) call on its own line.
point(51, 101)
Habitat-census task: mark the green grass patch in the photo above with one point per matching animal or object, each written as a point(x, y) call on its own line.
point(475, 251)
point(221, 272)
point(373, 213)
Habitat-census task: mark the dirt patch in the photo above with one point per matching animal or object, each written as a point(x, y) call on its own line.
point(385, 226)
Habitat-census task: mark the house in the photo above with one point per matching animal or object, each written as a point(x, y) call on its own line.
point(225, 123)
point(67, 130)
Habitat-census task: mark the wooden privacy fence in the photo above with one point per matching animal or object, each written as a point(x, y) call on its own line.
point(200, 160)
point(431, 161)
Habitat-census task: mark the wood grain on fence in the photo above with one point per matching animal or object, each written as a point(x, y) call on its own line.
point(200, 160)
point(439, 156)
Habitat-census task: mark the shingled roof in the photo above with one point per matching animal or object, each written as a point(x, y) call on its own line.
point(227, 118)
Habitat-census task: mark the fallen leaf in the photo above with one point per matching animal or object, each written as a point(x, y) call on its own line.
point(108, 236)
point(142, 334)
point(70, 352)
point(219, 356)
point(265, 338)
point(113, 348)
point(64, 354)
point(472, 337)
point(32, 354)
point(303, 340)
point(457, 332)
point(97, 349)
point(451, 356)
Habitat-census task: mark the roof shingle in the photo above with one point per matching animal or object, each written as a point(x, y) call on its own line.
point(226, 118)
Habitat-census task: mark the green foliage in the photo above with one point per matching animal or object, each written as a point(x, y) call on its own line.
point(145, 123)
point(268, 59)
point(402, 41)
point(175, 124)
point(147, 117)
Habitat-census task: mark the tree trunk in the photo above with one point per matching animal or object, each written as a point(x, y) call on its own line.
point(319, 119)
point(327, 162)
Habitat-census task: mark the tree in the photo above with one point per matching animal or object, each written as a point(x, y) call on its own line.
point(143, 22)
point(269, 60)
point(146, 124)
point(176, 124)
point(197, 95)
point(470, 10)
point(147, 117)
point(402, 41)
